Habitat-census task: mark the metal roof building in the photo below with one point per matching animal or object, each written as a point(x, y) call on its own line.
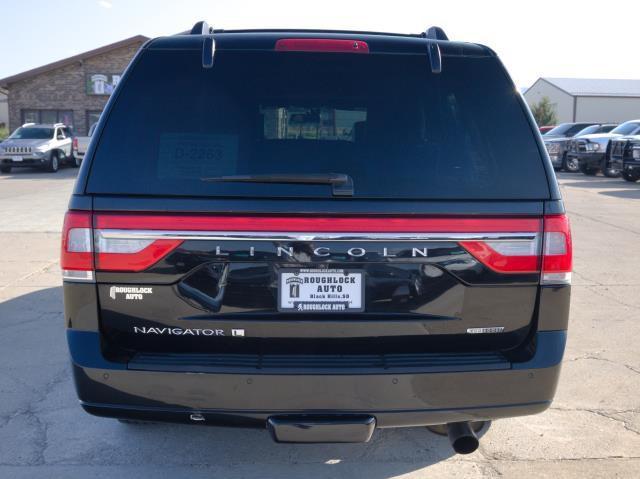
point(588, 99)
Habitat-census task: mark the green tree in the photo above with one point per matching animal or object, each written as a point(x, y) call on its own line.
point(544, 112)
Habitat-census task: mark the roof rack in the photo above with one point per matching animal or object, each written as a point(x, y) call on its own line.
point(433, 49)
point(208, 45)
point(201, 28)
point(435, 33)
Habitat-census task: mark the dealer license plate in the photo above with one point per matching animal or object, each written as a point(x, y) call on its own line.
point(320, 291)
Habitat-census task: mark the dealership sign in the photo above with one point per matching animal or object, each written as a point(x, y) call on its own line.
point(101, 83)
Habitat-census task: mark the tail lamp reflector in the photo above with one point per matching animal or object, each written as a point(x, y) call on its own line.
point(76, 256)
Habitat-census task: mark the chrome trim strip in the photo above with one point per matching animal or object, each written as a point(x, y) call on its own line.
point(294, 236)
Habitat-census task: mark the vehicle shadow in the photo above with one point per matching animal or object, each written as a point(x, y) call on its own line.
point(614, 187)
point(36, 390)
point(65, 172)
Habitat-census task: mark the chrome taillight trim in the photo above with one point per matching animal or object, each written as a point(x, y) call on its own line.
point(300, 236)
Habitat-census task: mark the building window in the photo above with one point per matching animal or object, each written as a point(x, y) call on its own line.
point(30, 116)
point(48, 116)
point(92, 117)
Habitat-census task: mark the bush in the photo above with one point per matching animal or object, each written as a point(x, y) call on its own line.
point(544, 112)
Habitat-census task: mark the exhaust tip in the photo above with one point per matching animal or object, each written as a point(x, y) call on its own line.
point(462, 437)
point(465, 445)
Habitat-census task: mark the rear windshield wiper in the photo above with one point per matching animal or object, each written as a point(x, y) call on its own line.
point(342, 185)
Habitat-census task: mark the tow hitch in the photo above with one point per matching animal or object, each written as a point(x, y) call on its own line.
point(319, 429)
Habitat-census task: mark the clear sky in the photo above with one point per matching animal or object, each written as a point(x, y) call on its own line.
point(534, 38)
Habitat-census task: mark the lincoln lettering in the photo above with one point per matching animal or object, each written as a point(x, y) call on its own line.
point(326, 252)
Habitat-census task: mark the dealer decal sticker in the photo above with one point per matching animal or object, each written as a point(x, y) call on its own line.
point(131, 293)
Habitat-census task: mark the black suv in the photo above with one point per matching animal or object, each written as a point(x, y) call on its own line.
point(317, 232)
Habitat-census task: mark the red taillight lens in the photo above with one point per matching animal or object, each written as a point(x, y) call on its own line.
point(506, 256)
point(76, 256)
point(81, 240)
point(549, 251)
point(75, 144)
point(321, 45)
point(117, 248)
point(335, 224)
point(114, 254)
point(557, 261)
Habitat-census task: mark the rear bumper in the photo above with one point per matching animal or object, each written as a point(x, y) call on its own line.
point(632, 167)
point(395, 397)
point(26, 162)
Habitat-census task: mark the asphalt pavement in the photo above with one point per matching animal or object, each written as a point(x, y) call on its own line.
point(591, 430)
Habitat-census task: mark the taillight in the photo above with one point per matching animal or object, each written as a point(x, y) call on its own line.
point(321, 45)
point(549, 252)
point(76, 257)
point(117, 250)
point(87, 247)
point(557, 259)
point(507, 256)
point(129, 254)
point(74, 144)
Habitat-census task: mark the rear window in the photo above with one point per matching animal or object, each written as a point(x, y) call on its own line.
point(397, 129)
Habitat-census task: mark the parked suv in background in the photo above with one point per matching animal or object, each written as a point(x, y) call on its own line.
point(624, 155)
point(43, 146)
point(590, 151)
point(557, 142)
point(333, 238)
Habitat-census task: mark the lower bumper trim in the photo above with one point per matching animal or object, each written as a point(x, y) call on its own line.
point(259, 419)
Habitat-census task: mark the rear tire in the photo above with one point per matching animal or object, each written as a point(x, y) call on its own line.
point(54, 163)
point(609, 172)
point(570, 165)
point(630, 177)
point(5, 169)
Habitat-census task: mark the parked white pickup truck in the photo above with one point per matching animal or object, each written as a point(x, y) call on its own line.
point(80, 144)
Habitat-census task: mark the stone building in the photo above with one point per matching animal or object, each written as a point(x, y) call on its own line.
point(72, 91)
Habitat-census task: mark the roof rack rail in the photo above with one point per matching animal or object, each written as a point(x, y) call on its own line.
point(208, 45)
point(201, 28)
point(435, 33)
point(433, 49)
